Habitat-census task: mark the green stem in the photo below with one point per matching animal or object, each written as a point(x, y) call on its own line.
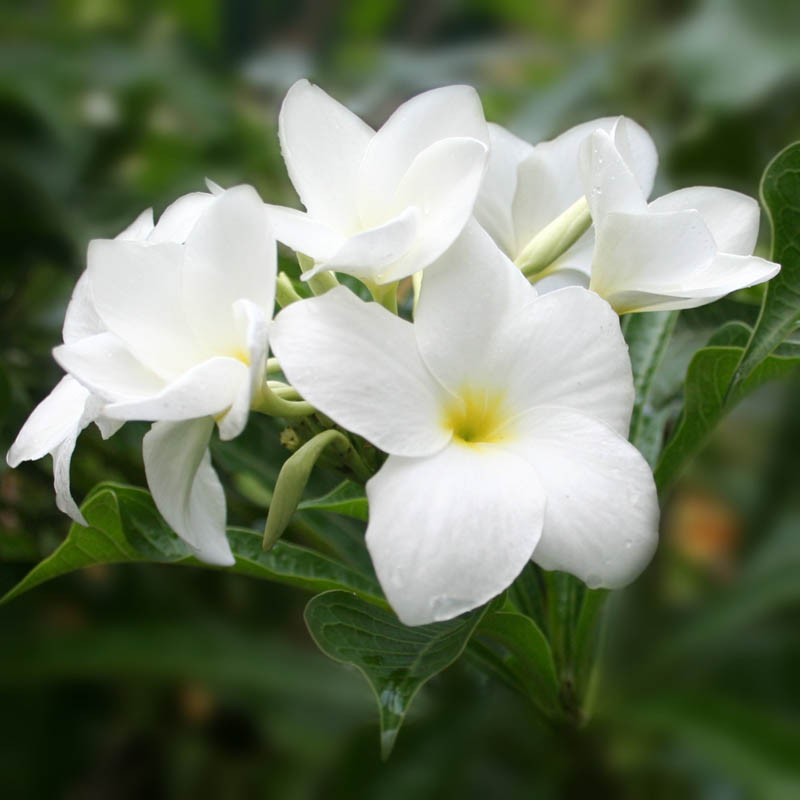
point(323, 282)
point(554, 239)
point(385, 294)
point(285, 293)
point(268, 402)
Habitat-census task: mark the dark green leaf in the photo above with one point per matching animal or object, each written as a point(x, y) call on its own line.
point(648, 336)
point(347, 498)
point(587, 639)
point(780, 194)
point(126, 527)
point(529, 658)
point(706, 396)
point(396, 660)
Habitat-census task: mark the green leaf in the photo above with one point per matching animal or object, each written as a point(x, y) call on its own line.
point(647, 336)
point(396, 660)
point(529, 657)
point(125, 527)
point(587, 639)
point(706, 395)
point(780, 195)
point(347, 498)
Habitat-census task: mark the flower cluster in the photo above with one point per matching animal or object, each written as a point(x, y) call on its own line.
point(503, 407)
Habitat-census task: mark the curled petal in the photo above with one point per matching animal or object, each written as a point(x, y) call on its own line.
point(608, 181)
point(442, 183)
point(50, 423)
point(649, 251)
point(731, 217)
point(210, 388)
point(54, 427)
point(722, 275)
point(452, 111)
point(367, 254)
point(186, 488)
point(303, 233)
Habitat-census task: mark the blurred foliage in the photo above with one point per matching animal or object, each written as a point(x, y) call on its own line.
point(131, 681)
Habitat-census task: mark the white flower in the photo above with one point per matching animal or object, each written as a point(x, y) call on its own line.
point(383, 205)
point(682, 250)
point(504, 415)
point(55, 424)
point(182, 342)
point(526, 188)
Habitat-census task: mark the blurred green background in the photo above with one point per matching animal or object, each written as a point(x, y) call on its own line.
point(132, 682)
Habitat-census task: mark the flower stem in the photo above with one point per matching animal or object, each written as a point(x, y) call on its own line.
point(385, 294)
point(285, 293)
point(554, 239)
point(268, 402)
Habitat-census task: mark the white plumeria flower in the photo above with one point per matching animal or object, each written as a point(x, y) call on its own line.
point(183, 343)
point(504, 415)
point(55, 424)
point(527, 187)
point(380, 206)
point(682, 250)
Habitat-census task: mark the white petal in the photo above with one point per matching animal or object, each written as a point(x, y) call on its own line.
point(601, 515)
point(108, 427)
point(722, 275)
point(186, 488)
point(210, 388)
point(579, 257)
point(367, 254)
point(62, 457)
point(253, 323)
point(564, 348)
point(50, 423)
point(178, 219)
point(323, 144)
point(359, 364)
point(303, 233)
point(104, 365)
point(449, 532)
point(731, 217)
point(452, 111)
point(561, 279)
point(140, 228)
point(638, 151)
point(608, 182)
point(137, 292)
point(549, 181)
point(230, 256)
point(81, 319)
point(53, 427)
point(496, 196)
point(443, 183)
point(470, 291)
point(649, 251)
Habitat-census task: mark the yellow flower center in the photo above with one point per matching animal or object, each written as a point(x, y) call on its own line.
point(477, 417)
